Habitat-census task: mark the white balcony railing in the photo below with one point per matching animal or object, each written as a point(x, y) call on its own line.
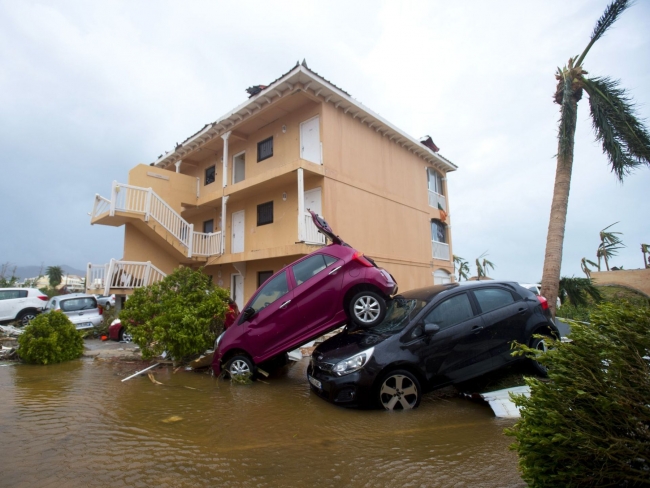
point(206, 244)
point(437, 198)
point(312, 236)
point(144, 201)
point(125, 275)
point(440, 250)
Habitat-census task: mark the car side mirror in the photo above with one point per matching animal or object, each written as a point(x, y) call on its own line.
point(248, 313)
point(431, 328)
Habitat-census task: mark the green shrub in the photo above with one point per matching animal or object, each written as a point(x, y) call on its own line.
point(50, 338)
point(182, 314)
point(590, 424)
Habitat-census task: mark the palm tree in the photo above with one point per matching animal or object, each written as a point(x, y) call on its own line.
point(55, 275)
point(610, 243)
point(483, 267)
point(645, 248)
point(584, 262)
point(576, 291)
point(624, 139)
point(463, 268)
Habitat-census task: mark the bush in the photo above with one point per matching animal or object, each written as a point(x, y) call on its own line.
point(50, 338)
point(590, 424)
point(182, 314)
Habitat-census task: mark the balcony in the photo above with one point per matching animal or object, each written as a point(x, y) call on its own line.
point(440, 250)
point(312, 236)
point(144, 203)
point(120, 276)
point(436, 199)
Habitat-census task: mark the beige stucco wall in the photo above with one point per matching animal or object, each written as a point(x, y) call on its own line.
point(638, 279)
point(139, 247)
point(174, 188)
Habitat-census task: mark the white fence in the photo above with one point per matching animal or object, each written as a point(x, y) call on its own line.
point(437, 198)
point(144, 201)
point(206, 244)
point(125, 275)
point(440, 250)
point(312, 236)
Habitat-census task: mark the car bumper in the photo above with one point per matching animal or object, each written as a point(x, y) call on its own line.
point(350, 390)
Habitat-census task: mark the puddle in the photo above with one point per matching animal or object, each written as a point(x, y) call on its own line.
point(77, 424)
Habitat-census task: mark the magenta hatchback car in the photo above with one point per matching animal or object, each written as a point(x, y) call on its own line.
point(318, 293)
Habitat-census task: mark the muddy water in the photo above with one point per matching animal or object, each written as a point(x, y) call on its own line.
point(76, 424)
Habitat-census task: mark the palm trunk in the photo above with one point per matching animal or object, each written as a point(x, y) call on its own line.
point(606, 262)
point(559, 205)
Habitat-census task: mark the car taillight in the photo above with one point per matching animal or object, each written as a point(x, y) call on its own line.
point(42, 297)
point(101, 309)
point(543, 302)
point(362, 259)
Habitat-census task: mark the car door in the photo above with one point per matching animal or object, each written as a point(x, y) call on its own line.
point(273, 315)
point(6, 304)
point(316, 296)
point(504, 315)
point(456, 350)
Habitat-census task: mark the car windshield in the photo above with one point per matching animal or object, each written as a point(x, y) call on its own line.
point(400, 312)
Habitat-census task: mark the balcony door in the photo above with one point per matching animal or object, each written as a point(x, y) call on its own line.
point(237, 232)
point(310, 140)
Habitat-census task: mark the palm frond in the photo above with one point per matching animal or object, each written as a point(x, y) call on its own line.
point(612, 12)
point(577, 289)
point(624, 138)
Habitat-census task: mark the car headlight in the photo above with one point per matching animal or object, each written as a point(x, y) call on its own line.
point(354, 363)
point(218, 340)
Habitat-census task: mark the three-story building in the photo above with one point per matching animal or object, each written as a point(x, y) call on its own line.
point(234, 197)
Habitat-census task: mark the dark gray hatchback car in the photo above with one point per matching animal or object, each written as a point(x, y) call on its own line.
point(430, 338)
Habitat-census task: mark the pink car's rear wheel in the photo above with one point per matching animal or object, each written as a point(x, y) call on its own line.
point(367, 308)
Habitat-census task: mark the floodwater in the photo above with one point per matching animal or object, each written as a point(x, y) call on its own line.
point(76, 424)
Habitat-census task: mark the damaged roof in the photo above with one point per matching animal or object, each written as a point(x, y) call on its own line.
point(301, 78)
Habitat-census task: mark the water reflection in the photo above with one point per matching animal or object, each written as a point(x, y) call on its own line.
point(76, 424)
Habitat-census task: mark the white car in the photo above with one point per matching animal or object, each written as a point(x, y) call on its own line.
point(82, 310)
point(107, 302)
point(21, 304)
point(536, 288)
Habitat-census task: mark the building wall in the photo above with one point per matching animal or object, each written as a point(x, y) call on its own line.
point(638, 279)
point(139, 247)
point(174, 188)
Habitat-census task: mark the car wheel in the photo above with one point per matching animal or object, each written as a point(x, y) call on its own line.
point(539, 344)
point(399, 390)
point(367, 308)
point(107, 306)
point(125, 336)
point(26, 317)
point(240, 365)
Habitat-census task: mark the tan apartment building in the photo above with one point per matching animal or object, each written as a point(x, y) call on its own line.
point(234, 197)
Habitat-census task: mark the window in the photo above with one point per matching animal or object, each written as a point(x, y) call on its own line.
point(262, 276)
point(329, 260)
point(11, 294)
point(265, 149)
point(434, 180)
point(308, 268)
point(452, 311)
point(208, 226)
point(492, 298)
point(238, 168)
point(272, 290)
point(210, 174)
point(265, 213)
point(438, 231)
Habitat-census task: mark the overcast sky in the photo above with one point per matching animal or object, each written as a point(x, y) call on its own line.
point(90, 89)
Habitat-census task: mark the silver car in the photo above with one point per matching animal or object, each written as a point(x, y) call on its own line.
point(82, 310)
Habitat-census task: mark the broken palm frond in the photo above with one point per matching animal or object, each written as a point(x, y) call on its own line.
point(153, 380)
point(605, 21)
point(242, 378)
point(139, 372)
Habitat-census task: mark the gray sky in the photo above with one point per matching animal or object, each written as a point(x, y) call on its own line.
point(90, 89)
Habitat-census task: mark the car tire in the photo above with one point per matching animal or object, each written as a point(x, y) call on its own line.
point(26, 317)
point(367, 308)
point(125, 336)
point(399, 390)
point(238, 365)
point(540, 344)
point(107, 306)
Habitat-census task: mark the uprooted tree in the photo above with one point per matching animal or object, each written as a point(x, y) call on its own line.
point(589, 425)
point(182, 314)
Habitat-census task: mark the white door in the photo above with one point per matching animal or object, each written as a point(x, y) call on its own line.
point(237, 232)
point(237, 290)
point(310, 141)
point(313, 203)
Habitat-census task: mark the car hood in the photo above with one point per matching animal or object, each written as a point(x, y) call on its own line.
point(347, 344)
point(324, 228)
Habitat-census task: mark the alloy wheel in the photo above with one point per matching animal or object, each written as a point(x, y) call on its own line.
point(398, 392)
point(27, 318)
point(126, 337)
point(367, 309)
point(239, 367)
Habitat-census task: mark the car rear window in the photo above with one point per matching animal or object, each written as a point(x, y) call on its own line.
point(492, 298)
point(75, 304)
